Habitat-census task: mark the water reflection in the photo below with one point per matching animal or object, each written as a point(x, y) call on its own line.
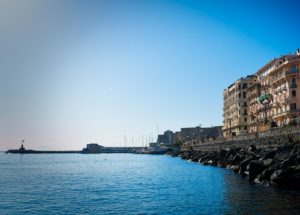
point(248, 198)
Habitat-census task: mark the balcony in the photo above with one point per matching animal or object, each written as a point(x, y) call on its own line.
point(280, 113)
point(253, 93)
point(291, 74)
point(279, 91)
point(294, 111)
point(283, 76)
point(276, 79)
point(277, 104)
point(263, 109)
point(290, 100)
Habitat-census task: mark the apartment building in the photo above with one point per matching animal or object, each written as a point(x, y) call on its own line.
point(274, 98)
point(235, 111)
point(199, 133)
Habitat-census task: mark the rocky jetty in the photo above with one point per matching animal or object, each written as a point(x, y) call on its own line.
point(275, 165)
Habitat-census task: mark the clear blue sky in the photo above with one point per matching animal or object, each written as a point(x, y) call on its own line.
point(74, 72)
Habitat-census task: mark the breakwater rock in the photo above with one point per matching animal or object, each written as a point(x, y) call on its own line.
point(276, 165)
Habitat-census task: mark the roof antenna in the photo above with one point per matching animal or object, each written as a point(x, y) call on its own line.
point(297, 52)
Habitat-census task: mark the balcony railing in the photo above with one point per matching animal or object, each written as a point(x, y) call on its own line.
point(290, 73)
point(284, 75)
point(294, 111)
point(280, 113)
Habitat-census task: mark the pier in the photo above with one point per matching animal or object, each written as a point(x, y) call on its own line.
point(92, 148)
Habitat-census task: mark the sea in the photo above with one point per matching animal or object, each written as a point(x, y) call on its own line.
point(131, 184)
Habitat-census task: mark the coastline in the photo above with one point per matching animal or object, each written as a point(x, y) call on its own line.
point(92, 149)
point(269, 165)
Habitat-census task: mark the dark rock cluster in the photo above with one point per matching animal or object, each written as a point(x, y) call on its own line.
point(278, 166)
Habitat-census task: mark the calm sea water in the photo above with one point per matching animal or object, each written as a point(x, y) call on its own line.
point(130, 184)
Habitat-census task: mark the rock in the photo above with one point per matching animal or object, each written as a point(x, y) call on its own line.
point(221, 164)
point(296, 150)
point(277, 165)
point(213, 163)
point(269, 153)
point(279, 176)
point(252, 148)
point(288, 162)
point(254, 168)
point(268, 162)
point(207, 162)
point(237, 159)
point(235, 168)
point(244, 164)
point(283, 152)
point(223, 153)
point(289, 177)
point(231, 152)
point(266, 174)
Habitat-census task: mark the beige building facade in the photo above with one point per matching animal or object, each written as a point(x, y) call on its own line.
point(274, 98)
point(235, 109)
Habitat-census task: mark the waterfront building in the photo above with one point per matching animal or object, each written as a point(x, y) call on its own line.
point(178, 137)
point(274, 98)
point(93, 148)
point(168, 138)
point(235, 107)
point(161, 139)
point(199, 133)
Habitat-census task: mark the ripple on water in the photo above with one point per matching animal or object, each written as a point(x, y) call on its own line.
point(131, 184)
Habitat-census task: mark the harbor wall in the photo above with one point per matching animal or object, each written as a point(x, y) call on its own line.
point(274, 137)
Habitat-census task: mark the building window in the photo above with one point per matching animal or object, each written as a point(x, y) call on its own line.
point(240, 95)
point(245, 119)
point(245, 86)
point(293, 106)
point(294, 68)
point(244, 94)
point(245, 104)
point(245, 127)
point(294, 93)
point(294, 85)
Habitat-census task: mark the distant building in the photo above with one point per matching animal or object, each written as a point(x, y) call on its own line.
point(200, 133)
point(168, 138)
point(235, 109)
point(93, 148)
point(161, 139)
point(188, 134)
point(178, 137)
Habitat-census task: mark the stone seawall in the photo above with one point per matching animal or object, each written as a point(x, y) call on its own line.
point(277, 164)
point(274, 137)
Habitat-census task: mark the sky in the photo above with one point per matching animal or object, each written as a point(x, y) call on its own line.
point(78, 72)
